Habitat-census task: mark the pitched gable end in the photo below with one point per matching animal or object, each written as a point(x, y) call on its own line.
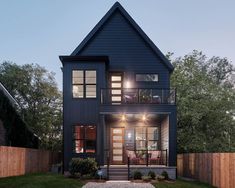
point(107, 16)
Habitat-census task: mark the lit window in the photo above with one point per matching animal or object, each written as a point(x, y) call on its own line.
point(146, 77)
point(84, 139)
point(84, 83)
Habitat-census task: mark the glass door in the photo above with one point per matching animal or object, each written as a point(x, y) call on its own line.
point(116, 88)
point(117, 135)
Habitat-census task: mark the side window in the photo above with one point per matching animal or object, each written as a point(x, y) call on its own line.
point(146, 77)
point(84, 139)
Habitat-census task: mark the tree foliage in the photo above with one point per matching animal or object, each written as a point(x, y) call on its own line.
point(205, 103)
point(39, 99)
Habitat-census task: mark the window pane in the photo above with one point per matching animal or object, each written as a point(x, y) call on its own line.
point(116, 85)
point(90, 77)
point(77, 77)
point(146, 77)
point(78, 91)
point(141, 144)
point(90, 146)
point(152, 133)
point(116, 98)
point(79, 132)
point(91, 133)
point(116, 91)
point(152, 145)
point(141, 133)
point(78, 146)
point(116, 78)
point(90, 91)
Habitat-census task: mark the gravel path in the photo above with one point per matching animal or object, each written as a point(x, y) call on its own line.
point(118, 185)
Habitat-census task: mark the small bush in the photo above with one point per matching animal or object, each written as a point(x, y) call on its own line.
point(137, 175)
point(146, 178)
point(83, 166)
point(160, 177)
point(165, 174)
point(152, 174)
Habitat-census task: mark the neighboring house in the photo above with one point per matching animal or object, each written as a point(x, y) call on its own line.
point(13, 130)
point(117, 98)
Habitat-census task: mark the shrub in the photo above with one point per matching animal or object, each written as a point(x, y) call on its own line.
point(146, 178)
point(165, 174)
point(137, 175)
point(83, 166)
point(160, 177)
point(152, 174)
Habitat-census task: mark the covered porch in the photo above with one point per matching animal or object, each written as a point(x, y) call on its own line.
point(136, 139)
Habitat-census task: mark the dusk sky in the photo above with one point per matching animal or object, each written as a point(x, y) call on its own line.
point(40, 31)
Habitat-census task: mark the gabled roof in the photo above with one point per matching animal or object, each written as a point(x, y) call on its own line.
point(115, 7)
point(9, 96)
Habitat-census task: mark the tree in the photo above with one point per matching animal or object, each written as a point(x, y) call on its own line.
point(39, 99)
point(205, 103)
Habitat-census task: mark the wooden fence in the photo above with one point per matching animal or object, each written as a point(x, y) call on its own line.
point(217, 169)
point(16, 161)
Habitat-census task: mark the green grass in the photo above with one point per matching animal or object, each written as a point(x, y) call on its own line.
point(181, 184)
point(39, 181)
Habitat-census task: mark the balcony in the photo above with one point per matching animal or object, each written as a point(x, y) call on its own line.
point(117, 96)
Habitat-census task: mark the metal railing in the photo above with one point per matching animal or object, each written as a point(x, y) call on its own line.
point(147, 157)
point(138, 96)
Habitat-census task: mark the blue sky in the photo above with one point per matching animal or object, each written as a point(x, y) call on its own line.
point(40, 31)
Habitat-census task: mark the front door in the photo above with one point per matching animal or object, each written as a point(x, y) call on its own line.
point(117, 137)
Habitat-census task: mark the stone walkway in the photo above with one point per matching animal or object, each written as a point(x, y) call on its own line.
point(118, 185)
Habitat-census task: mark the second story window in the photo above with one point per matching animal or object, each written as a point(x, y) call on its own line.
point(84, 83)
point(146, 77)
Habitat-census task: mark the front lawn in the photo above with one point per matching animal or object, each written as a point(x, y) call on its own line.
point(39, 181)
point(181, 184)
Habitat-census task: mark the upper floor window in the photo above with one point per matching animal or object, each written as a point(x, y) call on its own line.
point(146, 77)
point(84, 83)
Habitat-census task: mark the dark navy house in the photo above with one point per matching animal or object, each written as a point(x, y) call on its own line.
point(118, 104)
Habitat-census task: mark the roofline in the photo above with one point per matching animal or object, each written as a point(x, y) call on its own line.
point(118, 6)
point(65, 59)
point(12, 100)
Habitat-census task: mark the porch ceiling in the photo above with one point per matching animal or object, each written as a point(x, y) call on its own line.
point(136, 117)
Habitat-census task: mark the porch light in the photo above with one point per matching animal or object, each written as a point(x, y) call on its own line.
point(144, 117)
point(123, 117)
point(128, 84)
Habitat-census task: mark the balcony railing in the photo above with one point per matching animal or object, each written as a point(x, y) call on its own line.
point(137, 96)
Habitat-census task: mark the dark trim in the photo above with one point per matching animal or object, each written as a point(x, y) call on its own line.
point(64, 59)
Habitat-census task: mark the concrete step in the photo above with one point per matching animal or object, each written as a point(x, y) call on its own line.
point(118, 178)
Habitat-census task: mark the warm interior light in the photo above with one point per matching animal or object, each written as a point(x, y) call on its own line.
point(123, 117)
point(144, 117)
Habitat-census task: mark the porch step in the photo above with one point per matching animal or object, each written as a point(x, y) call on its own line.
point(118, 178)
point(118, 173)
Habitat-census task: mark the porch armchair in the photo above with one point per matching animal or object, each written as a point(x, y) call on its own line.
point(133, 158)
point(154, 157)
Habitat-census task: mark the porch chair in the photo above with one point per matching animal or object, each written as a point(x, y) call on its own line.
point(155, 157)
point(133, 158)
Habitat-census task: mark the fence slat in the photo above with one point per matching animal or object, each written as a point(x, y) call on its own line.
point(19, 161)
point(217, 169)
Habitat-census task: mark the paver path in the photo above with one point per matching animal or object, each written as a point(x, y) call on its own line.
point(118, 185)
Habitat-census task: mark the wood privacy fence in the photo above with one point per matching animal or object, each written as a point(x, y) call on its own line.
point(217, 169)
point(16, 161)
